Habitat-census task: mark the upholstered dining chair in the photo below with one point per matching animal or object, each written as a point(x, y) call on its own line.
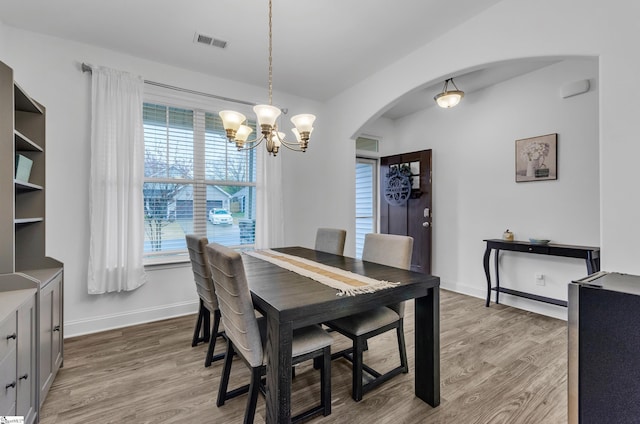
point(386, 249)
point(330, 240)
point(208, 302)
point(246, 335)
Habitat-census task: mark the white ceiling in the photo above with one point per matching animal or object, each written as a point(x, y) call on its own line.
point(320, 47)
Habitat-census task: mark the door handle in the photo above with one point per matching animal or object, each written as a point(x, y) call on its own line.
point(425, 224)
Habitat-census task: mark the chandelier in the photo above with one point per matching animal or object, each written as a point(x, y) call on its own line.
point(449, 98)
point(238, 132)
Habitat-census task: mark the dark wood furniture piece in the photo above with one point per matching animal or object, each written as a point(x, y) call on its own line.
point(603, 341)
point(289, 300)
point(590, 254)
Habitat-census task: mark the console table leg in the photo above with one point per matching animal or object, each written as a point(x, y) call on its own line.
point(487, 254)
point(593, 265)
point(497, 277)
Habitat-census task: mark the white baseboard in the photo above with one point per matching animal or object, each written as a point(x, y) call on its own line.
point(126, 319)
point(541, 308)
point(141, 316)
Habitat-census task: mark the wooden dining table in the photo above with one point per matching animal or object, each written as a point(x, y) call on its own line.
point(289, 300)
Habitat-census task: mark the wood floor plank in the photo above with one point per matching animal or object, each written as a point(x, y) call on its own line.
point(498, 365)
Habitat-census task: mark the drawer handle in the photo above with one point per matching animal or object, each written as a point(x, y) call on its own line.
point(10, 385)
point(23, 377)
point(11, 336)
point(56, 328)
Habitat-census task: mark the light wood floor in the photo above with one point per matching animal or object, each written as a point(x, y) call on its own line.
point(498, 365)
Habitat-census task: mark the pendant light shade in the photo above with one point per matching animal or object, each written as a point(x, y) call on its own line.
point(449, 98)
point(266, 114)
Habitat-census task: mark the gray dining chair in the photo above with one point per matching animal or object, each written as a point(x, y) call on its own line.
point(330, 240)
point(246, 336)
point(208, 302)
point(385, 249)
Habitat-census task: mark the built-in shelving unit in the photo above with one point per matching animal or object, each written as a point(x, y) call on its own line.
point(23, 261)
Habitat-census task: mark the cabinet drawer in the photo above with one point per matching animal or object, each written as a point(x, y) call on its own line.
point(542, 249)
point(8, 334)
point(8, 377)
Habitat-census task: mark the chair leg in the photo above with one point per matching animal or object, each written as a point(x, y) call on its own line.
point(197, 338)
point(252, 401)
point(206, 334)
point(201, 332)
point(402, 348)
point(356, 385)
point(226, 370)
point(325, 381)
point(212, 341)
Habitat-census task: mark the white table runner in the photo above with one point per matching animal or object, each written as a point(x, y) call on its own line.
point(347, 283)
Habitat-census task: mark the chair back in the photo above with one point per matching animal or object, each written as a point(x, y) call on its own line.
point(201, 271)
point(331, 240)
point(234, 300)
point(391, 250)
point(388, 249)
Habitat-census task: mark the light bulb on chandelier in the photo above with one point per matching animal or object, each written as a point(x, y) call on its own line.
point(267, 115)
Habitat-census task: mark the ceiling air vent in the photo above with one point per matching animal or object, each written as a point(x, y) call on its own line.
point(209, 41)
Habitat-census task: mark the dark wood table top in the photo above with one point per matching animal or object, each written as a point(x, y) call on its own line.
point(506, 243)
point(304, 301)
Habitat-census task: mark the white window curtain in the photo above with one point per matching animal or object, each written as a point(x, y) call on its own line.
point(269, 216)
point(117, 171)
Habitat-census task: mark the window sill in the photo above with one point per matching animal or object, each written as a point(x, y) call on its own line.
point(166, 263)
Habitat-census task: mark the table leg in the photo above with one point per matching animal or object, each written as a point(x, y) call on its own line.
point(487, 254)
point(278, 396)
point(427, 347)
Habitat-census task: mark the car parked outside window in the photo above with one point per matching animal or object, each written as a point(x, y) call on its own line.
point(220, 216)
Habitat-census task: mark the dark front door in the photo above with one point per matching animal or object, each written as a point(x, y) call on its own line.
point(405, 202)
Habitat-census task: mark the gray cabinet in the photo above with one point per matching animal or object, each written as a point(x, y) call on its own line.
point(18, 369)
point(23, 261)
point(51, 333)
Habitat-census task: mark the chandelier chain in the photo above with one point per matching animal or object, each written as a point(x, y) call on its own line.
point(270, 56)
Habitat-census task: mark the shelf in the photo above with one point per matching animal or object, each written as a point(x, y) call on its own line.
point(20, 221)
point(531, 296)
point(22, 186)
point(23, 101)
point(24, 143)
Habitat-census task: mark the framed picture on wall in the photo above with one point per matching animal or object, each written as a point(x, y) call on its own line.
point(537, 158)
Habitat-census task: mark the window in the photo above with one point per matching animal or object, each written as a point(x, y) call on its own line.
point(195, 182)
point(366, 200)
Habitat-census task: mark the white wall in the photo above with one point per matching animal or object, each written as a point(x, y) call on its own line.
point(510, 30)
point(475, 195)
point(49, 69)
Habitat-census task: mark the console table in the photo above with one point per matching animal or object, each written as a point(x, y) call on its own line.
point(591, 255)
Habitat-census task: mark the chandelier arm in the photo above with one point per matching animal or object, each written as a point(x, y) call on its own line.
point(289, 143)
point(252, 144)
point(255, 140)
point(289, 146)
